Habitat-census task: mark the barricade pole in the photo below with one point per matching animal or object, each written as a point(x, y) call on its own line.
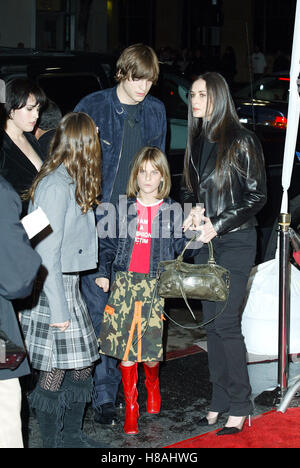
point(284, 305)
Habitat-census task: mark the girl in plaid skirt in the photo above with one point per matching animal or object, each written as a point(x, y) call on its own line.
point(150, 230)
point(58, 331)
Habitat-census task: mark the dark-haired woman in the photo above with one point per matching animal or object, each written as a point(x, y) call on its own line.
point(20, 154)
point(224, 171)
point(58, 331)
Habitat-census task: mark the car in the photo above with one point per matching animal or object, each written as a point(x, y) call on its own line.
point(66, 77)
point(264, 102)
point(263, 108)
point(172, 89)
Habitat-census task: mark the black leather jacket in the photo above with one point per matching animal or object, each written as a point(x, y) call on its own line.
point(234, 207)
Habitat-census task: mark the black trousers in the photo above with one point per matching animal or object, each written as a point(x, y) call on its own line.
point(226, 348)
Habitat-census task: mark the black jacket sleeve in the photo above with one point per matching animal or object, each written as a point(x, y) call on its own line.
point(251, 195)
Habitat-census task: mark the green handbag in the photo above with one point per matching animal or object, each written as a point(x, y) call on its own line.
point(207, 282)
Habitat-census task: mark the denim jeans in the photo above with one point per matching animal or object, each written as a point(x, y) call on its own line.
point(106, 375)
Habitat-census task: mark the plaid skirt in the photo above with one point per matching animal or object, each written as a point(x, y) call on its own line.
point(50, 348)
point(132, 326)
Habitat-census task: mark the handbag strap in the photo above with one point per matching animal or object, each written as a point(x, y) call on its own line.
point(185, 298)
point(190, 309)
point(201, 325)
point(211, 259)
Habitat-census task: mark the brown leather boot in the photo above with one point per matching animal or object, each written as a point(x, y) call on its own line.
point(152, 385)
point(129, 380)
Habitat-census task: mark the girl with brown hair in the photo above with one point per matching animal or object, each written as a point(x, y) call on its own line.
point(58, 331)
point(149, 231)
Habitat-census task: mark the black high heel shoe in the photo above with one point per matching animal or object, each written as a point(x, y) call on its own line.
point(234, 429)
point(208, 421)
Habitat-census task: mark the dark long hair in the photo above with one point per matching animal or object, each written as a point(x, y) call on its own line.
point(223, 127)
point(76, 145)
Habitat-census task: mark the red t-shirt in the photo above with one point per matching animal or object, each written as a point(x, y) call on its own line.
point(140, 257)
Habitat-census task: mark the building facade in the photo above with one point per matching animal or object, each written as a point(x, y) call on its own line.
point(110, 25)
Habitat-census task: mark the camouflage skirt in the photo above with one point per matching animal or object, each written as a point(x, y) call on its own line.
point(132, 326)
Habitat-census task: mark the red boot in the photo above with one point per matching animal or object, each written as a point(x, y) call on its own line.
point(152, 385)
point(129, 380)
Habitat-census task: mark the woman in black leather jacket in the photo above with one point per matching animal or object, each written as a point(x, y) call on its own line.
point(224, 175)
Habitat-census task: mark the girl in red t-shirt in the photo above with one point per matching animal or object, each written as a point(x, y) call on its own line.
point(133, 321)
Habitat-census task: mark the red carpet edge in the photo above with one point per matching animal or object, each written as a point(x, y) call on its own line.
point(179, 353)
point(269, 430)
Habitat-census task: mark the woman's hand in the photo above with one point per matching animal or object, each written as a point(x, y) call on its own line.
point(207, 230)
point(61, 326)
point(103, 283)
point(194, 219)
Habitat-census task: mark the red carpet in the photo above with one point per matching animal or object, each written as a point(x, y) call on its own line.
point(269, 430)
point(179, 353)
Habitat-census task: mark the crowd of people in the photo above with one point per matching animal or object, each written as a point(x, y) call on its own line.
point(191, 63)
point(89, 316)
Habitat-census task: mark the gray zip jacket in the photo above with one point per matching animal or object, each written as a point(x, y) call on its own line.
point(72, 245)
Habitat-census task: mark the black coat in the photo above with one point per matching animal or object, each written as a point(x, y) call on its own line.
point(16, 167)
point(235, 207)
point(18, 267)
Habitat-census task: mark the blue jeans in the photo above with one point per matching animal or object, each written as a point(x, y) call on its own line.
point(106, 375)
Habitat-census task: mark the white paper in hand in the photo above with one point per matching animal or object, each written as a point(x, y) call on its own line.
point(35, 222)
